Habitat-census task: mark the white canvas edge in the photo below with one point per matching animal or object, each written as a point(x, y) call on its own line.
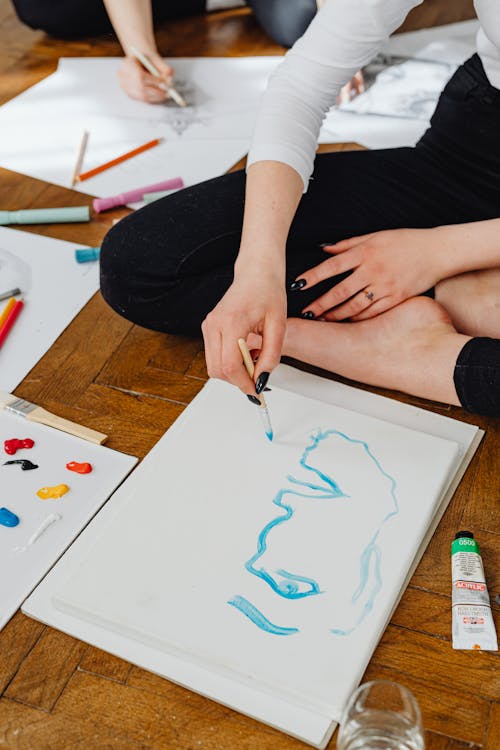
point(307, 726)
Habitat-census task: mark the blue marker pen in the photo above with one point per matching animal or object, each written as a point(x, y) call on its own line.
point(87, 254)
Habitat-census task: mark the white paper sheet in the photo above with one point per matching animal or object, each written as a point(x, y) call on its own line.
point(54, 288)
point(24, 558)
point(309, 726)
point(42, 128)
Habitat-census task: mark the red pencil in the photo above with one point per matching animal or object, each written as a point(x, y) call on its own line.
point(10, 320)
point(118, 160)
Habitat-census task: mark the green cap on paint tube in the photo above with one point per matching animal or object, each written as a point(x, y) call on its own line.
point(46, 215)
point(87, 254)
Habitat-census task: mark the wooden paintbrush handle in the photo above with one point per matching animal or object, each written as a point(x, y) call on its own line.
point(42, 416)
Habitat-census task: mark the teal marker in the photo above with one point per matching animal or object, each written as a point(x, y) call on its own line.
point(87, 254)
point(46, 215)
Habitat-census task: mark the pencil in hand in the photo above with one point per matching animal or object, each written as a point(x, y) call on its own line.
point(146, 63)
point(263, 410)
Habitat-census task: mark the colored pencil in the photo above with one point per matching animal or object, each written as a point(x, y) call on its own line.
point(118, 160)
point(250, 368)
point(10, 293)
point(171, 91)
point(11, 319)
point(6, 311)
point(80, 157)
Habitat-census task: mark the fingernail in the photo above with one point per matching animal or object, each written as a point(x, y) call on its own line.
point(253, 399)
point(296, 285)
point(327, 244)
point(308, 315)
point(261, 381)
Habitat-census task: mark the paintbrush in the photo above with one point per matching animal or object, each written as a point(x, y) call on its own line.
point(263, 410)
point(10, 293)
point(35, 413)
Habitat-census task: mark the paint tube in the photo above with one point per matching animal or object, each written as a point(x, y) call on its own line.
point(473, 626)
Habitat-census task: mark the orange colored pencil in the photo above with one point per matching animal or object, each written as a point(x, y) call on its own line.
point(11, 319)
point(6, 311)
point(118, 160)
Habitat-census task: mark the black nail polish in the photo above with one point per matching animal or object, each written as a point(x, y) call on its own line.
point(267, 389)
point(296, 285)
point(253, 399)
point(308, 315)
point(327, 244)
point(261, 381)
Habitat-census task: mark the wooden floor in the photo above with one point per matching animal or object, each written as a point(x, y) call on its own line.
point(58, 693)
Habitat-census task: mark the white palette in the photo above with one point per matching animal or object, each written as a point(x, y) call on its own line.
point(208, 528)
point(24, 558)
point(54, 288)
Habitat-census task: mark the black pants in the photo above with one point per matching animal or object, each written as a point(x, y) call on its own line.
point(283, 20)
point(166, 266)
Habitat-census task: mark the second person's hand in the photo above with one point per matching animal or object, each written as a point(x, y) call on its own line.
point(139, 84)
point(252, 305)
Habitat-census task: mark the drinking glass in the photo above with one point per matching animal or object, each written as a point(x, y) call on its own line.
point(381, 715)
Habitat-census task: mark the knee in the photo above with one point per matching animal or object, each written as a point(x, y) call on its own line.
point(120, 268)
point(284, 20)
point(138, 274)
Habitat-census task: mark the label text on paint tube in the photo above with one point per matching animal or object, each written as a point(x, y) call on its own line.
point(473, 627)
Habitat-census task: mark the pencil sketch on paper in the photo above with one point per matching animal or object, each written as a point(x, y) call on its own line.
point(14, 272)
point(410, 89)
point(314, 501)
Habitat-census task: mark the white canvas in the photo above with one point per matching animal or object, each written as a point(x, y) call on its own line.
point(300, 618)
point(54, 287)
point(309, 726)
point(25, 557)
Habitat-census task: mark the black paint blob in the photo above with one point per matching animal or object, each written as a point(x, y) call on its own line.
point(25, 464)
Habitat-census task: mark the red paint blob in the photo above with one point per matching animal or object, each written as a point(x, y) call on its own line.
point(84, 468)
point(14, 444)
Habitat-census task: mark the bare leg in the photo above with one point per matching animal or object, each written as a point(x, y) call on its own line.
point(472, 301)
point(412, 348)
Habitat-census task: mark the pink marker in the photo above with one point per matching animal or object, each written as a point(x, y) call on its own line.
point(132, 196)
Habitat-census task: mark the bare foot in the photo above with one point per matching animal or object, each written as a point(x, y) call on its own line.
point(472, 301)
point(412, 348)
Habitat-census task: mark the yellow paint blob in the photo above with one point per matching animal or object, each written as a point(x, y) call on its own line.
point(45, 493)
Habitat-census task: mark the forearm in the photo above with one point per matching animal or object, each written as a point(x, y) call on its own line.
point(133, 23)
point(273, 193)
point(468, 247)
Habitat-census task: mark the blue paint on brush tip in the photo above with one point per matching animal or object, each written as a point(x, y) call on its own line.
point(270, 436)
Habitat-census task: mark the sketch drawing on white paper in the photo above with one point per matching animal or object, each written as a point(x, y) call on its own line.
point(15, 273)
point(409, 89)
point(314, 500)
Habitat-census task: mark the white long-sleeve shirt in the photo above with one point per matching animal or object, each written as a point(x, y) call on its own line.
point(343, 37)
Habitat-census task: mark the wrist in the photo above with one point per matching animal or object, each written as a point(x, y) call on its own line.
point(260, 260)
point(451, 252)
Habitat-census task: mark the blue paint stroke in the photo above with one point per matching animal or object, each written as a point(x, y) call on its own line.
point(284, 583)
point(293, 586)
point(258, 618)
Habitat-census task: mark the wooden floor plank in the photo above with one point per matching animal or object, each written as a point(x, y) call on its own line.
point(420, 654)
point(46, 670)
point(16, 641)
point(105, 665)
